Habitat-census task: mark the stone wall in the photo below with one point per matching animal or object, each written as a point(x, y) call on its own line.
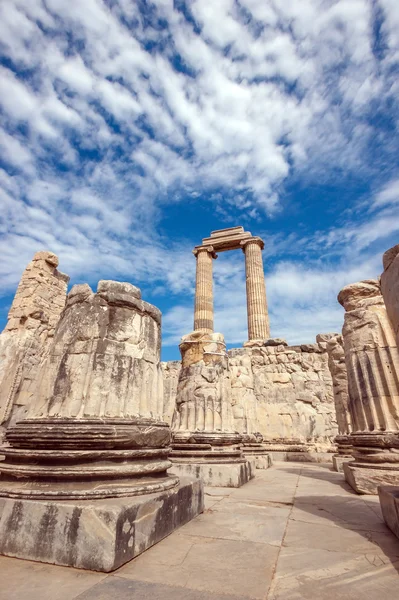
point(34, 314)
point(390, 287)
point(283, 392)
point(171, 371)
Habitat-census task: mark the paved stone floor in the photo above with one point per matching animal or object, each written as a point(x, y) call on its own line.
point(296, 532)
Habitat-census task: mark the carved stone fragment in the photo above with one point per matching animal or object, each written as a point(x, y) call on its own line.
point(33, 316)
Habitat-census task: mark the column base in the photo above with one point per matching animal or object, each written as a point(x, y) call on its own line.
point(99, 535)
point(375, 461)
point(344, 452)
point(232, 475)
point(389, 501)
point(259, 453)
point(365, 479)
point(339, 460)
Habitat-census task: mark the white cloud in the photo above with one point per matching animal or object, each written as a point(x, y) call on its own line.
point(104, 127)
point(388, 195)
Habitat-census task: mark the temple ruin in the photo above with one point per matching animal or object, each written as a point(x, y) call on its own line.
point(114, 447)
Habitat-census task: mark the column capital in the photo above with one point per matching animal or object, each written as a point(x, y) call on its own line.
point(253, 240)
point(209, 249)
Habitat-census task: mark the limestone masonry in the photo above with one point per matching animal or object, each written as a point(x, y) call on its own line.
point(283, 392)
point(94, 436)
point(106, 450)
point(34, 314)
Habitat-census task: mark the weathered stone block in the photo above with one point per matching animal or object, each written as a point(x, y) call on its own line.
point(389, 501)
point(338, 462)
point(366, 480)
point(217, 475)
point(99, 535)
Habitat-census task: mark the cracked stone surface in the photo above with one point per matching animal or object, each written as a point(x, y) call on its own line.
point(296, 532)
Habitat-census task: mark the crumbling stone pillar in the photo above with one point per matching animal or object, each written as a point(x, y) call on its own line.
point(204, 441)
point(33, 316)
point(372, 362)
point(389, 495)
point(390, 287)
point(203, 310)
point(258, 318)
point(94, 436)
point(337, 366)
point(245, 407)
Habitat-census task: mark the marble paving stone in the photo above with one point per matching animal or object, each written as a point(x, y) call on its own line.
point(274, 489)
point(240, 520)
point(114, 588)
point(325, 575)
point(213, 495)
point(373, 502)
point(338, 538)
point(334, 547)
point(213, 565)
point(23, 579)
point(349, 512)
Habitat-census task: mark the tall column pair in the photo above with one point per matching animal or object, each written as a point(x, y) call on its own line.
point(258, 318)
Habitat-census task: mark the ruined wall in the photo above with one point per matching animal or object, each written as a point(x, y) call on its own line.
point(170, 371)
point(283, 392)
point(34, 314)
point(337, 365)
point(293, 389)
point(390, 287)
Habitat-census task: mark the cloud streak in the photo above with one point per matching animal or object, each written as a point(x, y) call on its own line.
point(118, 111)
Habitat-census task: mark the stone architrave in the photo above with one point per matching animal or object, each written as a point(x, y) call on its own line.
point(372, 362)
point(84, 482)
point(224, 240)
point(337, 366)
point(205, 443)
point(33, 316)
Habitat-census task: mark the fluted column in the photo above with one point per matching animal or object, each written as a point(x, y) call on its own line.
point(258, 318)
point(337, 366)
point(372, 362)
point(203, 400)
point(203, 311)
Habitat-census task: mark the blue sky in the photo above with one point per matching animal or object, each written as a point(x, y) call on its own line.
point(130, 130)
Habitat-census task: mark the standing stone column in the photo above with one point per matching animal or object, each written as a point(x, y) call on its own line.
point(203, 310)
point(258, 318)
point(204, 441)
point(389, 495)
point(94, 437)
point(390, 287)
point(372, 362)
point(337, 366)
